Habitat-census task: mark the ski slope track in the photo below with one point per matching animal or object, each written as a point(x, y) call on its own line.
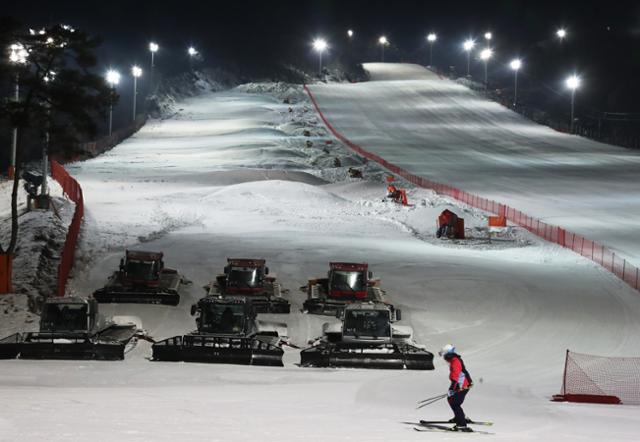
point(231, 175)
point(440, 130)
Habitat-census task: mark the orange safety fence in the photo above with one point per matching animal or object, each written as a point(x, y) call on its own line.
point(598, 253)
point(73, 191)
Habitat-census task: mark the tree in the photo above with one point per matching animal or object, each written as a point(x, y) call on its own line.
point(58, 90)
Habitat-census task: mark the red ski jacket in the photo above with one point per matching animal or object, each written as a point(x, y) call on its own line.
point(459, 380)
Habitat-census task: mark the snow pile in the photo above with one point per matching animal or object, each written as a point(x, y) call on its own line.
point(291, 93)
point(41, 238)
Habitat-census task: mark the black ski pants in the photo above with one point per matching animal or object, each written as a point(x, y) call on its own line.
point(455, 402)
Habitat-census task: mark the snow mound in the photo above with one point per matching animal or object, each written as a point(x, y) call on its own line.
point(293, 92)
point(275, 192)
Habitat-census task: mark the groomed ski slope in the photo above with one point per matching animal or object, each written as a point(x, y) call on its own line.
point(439, 129)
point(196, 187)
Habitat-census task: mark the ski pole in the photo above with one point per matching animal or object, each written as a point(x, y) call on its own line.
point(431, 398)
point(431, 401)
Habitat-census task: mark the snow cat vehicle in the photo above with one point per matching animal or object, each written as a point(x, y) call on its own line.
point(345, 283)
point(142, 279)
point(249, 278)
point(227, 333)
point(366, 338)
point(70, 328)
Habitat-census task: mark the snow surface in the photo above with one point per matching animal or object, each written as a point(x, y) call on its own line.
point(440, 129)
point(231, 176)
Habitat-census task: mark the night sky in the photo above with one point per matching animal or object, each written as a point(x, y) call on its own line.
point(603, 44)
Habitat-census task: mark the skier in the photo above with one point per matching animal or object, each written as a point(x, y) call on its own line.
point(460, 384)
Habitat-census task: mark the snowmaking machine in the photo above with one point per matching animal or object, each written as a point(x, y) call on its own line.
point(142, 279)
point(227, 333)
point(366, 338)
point(450, 225)
point(396, 195)
point(249, 278)
point(71, 328)
point(345, 283)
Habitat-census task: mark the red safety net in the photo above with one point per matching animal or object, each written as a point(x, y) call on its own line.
point(600, 379)
point(579, 244)
point(72, 190)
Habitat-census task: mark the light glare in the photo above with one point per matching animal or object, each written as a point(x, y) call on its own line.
point(432, 37)
point(18, 53)
point(383, 40)
point(515, 64)
point(573, 82)
point(488, 35)
point(468, 45)
point(320, 45)
point(561, 33)
point(350, 33)
point(136, 71)
point(153, 47)
point(486, 54)
point(113, 77)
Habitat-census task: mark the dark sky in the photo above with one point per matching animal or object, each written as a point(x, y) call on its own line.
point(603, 44)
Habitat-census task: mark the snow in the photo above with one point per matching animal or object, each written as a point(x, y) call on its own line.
point(35, 264)
point(440, 129)
point(231, 176)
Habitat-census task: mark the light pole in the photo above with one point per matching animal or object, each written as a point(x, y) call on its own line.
point(320, 45)
point(431, 38)
point(153, 48)
point(572, 83)
point(113, 78)
point(383, 42)
point(136, 72)
point(18, 56)
point(485, 55)
point(468, 45)
point(515, 65)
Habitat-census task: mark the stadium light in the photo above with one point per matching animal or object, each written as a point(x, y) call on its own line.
point(572, 83)
point(18, 55)
point(383, 41)
point(136, 71)
point(515, 65)
point(485, 55)
point(192, 51)
point(488, 36)
point(113, 78)
point(350, 33)
point(320, 45)
point(561, 33)
point(468, 45)
point(431, 38)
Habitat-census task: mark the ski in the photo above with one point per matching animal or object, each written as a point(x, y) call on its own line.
point(442, 428)
point(486, 423)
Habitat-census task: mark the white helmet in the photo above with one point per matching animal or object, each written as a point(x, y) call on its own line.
point(447, 349)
